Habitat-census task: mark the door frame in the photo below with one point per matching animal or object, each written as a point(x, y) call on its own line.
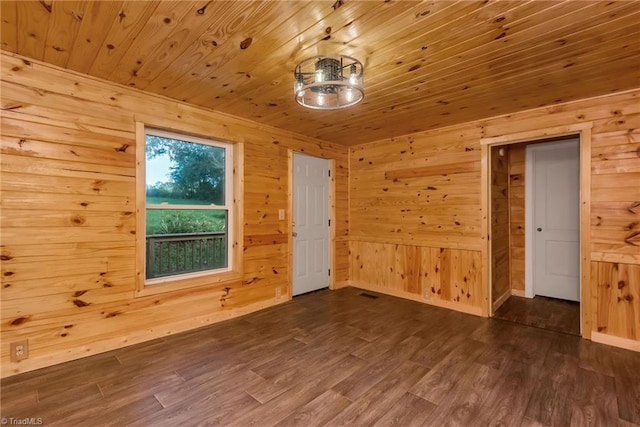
point(583, 132)
point(289, 218)
point(529, 284)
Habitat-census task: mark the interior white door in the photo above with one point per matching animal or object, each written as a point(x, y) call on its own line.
point(310, 223)
point(556, 219)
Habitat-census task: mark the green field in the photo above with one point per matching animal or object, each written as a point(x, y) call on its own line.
point(170, 221)
point(171, 201)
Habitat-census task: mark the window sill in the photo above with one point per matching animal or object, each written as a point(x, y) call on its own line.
point(195, 280)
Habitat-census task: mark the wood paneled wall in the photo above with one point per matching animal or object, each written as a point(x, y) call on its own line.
point(500, 286)
point(516, 217)
point(615, 225)
point(423, 190)
point(68, 215)
point(415, 217)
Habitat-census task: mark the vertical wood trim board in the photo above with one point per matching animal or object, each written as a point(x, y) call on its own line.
point(486, 250)
point(140, 198)
point(290, 223)
point(499, 221)
point(517, 182)
point(332, 224)
point(585, 236)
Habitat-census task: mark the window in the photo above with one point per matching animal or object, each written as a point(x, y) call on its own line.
point(188, 207)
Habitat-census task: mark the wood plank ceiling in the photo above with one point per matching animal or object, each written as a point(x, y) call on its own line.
point(428, 64)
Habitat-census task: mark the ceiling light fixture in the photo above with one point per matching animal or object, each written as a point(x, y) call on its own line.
point(328, 82)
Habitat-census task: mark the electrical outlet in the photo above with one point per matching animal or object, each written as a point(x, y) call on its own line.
point(19, 350)
point(427, 294)
point(281, 214)
point(278, 292)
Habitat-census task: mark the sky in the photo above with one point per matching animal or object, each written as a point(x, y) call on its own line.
point(158, 169)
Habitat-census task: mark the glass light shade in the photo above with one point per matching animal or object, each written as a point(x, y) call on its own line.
point(329, 82)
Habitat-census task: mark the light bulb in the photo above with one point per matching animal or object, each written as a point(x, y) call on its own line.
point(349, 95)
point(320, 99)
point(353, 75)
point(319, 76)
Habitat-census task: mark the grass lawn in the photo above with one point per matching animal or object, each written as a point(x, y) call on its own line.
point(155, 216)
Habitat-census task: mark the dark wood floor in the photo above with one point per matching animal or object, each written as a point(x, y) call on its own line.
point(338, 358)
point(541, 312)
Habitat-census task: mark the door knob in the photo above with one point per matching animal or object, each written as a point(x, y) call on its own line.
point(539, 229)
point(295, 234)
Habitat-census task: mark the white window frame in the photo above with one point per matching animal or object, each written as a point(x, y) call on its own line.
point(201, 278)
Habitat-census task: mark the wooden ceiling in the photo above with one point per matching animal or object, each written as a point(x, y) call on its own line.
point(427, 64)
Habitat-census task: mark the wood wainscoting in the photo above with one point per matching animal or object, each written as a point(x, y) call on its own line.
point(424, 190)
point(439, 276)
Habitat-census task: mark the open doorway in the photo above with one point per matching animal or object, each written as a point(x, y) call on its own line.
point(535, 233)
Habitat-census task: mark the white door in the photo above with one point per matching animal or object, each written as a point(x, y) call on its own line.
point(556, 218)
point(310, 223)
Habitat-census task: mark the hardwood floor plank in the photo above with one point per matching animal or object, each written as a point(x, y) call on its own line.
point(438, 383)
point(437, 350)
point(626, 369)
point(57, 378)
point(310, 388)
point(550, 403)
point(336, 357)
point(364, 379)
point(542, 312)
point(316, 361)
point(467, 396)
point(409, 410)
point(252, 352)
point(209, 384)
point(596, 357)
point(59, 407)
point(371, 406)
point(593, 400)
point(110, 413)
point(150, 380)
point(623, 423)
point(507, 402)
point(377, 348)
point(214, 409)
point(566, 344)
point(526, 344)
point(13, 400)
point(318, 411)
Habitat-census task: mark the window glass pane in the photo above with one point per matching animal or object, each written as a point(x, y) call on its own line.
point(181, 172)
point(185, 240)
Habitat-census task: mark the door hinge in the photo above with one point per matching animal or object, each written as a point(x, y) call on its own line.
point(329, 172)
point(329, 223)
point(329, 272)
